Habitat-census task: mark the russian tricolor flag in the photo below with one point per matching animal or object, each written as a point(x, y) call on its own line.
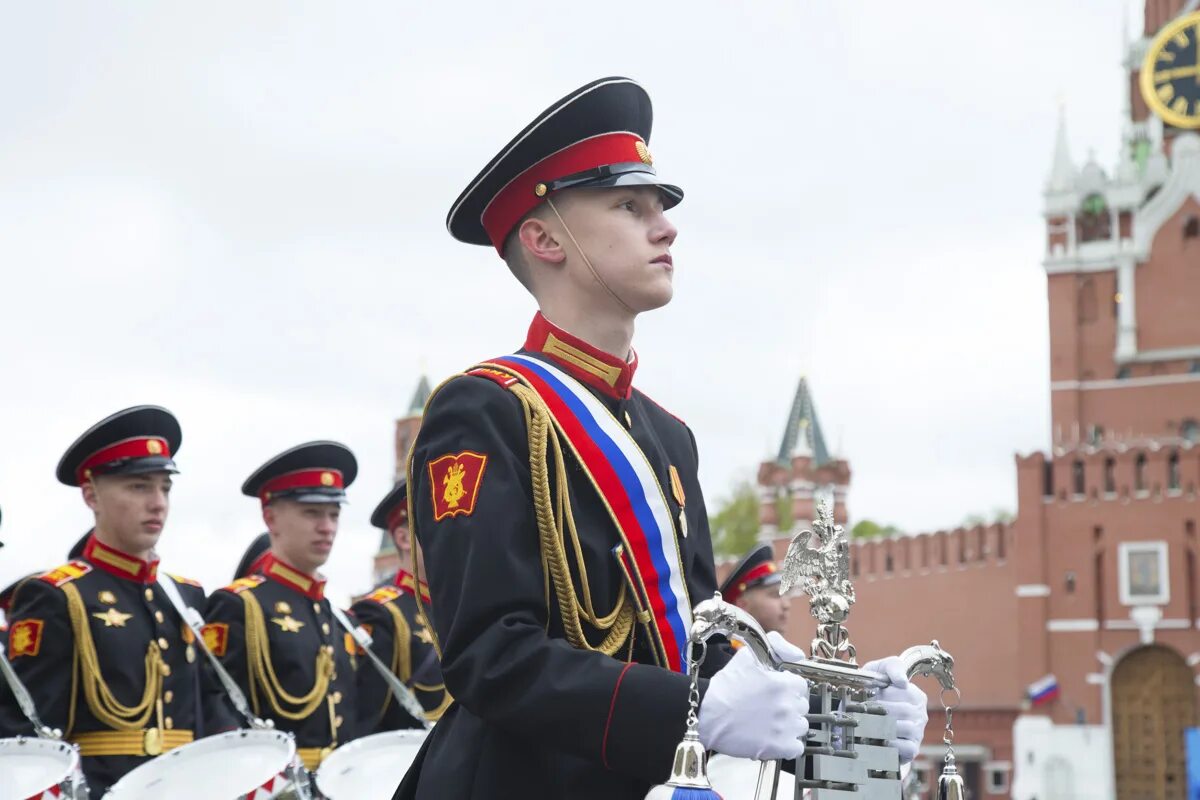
point(1043, 691)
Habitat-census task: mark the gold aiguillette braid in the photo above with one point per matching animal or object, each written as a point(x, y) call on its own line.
point(103, 704)
point(262, 671)
point(551, 516)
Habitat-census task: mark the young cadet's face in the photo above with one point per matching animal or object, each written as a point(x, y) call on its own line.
point(628, 239)
point(765, 604)
point(131, 510)
point(302, 533)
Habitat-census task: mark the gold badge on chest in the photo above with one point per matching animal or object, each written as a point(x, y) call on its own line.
point(107, 597)
point(288, 623)
point(112, 618)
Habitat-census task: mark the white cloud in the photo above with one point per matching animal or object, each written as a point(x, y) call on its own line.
point(238, 212)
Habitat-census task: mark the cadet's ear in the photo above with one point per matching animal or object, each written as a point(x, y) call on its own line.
point(268, 514)
point(540, 241)
point(89, 495)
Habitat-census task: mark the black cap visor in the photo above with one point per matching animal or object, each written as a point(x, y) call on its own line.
point(614, 175)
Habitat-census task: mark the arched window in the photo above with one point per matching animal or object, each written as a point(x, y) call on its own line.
point(1077, 477)
point(1190, 429)
point(1110, 477)
point(1094, 221)
point(1173, 470)
point(1139, 473)
point(1048, 479)
point(1191, 228)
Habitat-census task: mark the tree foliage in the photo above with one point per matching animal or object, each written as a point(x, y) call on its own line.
point(735, 525)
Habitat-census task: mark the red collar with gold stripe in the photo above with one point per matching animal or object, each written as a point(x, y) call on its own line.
point(408, 584)
point(602, 371)
point(280, 572)
point(122, 565)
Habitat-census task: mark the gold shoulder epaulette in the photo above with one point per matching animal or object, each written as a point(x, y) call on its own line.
point(188, 581)
point(242, 584)
point(384, 594)
point(60, 576)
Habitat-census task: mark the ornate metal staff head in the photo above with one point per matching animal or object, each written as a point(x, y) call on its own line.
point(818, 561)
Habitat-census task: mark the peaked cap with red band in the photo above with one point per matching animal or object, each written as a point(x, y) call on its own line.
point(314, 472)
point(597, 136)
point(393, 508)
point(130, 442)
point(757, 568)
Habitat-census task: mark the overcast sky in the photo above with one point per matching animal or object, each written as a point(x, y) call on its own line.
point(236, 210)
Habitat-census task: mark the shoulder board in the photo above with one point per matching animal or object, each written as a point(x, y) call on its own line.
point(242, 584)
point(60, 576)
point(660, 408)
point(185, 581)
point(501, 377)
point(384, 594)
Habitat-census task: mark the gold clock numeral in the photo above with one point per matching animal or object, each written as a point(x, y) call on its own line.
point(1180, 106)
point(1166, 92)
point(1166, 55)
point(1181, 39)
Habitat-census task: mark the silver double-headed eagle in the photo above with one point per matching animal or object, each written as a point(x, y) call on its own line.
point(818, 562)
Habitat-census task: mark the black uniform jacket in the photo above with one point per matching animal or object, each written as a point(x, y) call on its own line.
point(403, 640)
point(275, 634)
point(533, 715)
point(87, 638)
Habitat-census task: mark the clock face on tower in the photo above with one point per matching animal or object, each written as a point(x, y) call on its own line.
point(1170, 75)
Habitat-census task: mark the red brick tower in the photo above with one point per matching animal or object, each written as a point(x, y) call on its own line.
point(387, 561)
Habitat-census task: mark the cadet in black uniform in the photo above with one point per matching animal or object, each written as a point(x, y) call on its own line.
point(558, 508)
point(401, 633)
point(96, 640)
point(273, 630)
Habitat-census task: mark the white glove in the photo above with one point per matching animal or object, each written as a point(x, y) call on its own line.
point(750, 711)
point(905, 703)
point(785, 649)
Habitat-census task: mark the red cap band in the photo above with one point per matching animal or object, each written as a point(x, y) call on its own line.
point(302, 479)
point(139, 447)
point(398, 516)
point(521, 194)
point(738, 589)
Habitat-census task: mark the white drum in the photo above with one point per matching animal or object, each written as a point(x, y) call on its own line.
point(737, 778)
point(238, 765)
point(371, 767)
point(39, 769)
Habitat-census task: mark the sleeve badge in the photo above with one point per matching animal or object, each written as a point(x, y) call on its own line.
point(216, 637)
point(25, 637)
point(454, 481)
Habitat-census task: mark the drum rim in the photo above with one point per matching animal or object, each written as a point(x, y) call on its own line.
point(73, 764)
point(367, 742)
point(164, 761)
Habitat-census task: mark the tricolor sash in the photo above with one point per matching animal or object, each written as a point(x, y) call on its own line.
point(630, 490)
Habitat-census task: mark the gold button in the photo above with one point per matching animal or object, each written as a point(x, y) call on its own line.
point(149, 594)
point(168, 723)
point(333, 677)
point(166, 670)
point(190, 653)
point(337, 722)
point(325, 628)
point(168, 696)
point(152, 741)
point(158, 615)
point(317, 608)
point(628, 420)
point(337, 697)
point(328, 648)
point(163, 643)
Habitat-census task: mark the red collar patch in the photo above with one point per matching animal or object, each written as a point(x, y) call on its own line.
point(278, 571)
point(604, 372)
point(408, 584)
point(122, 565)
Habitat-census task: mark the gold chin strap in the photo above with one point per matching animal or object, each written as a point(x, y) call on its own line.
point(587, 260)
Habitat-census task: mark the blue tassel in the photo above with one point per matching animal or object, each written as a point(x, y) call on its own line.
point(691, 793)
